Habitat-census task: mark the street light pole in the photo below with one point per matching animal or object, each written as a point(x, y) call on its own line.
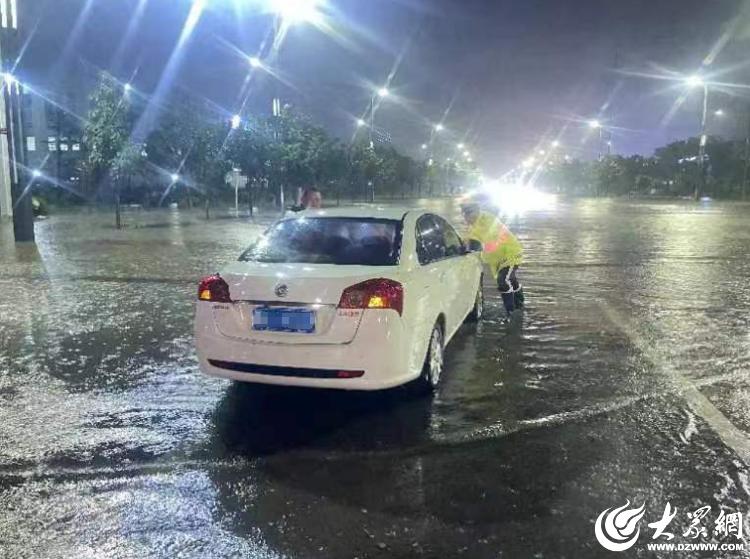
point(746, 169)
point(23, 212)
point(6, 181)
point(371, 183)
point(382, 93)
point(372, 119)
point(701, 184)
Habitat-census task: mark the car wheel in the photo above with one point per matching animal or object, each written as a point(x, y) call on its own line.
point(476, 312)
point(433, 365)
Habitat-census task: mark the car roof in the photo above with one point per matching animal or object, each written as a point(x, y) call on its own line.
point(369, 211)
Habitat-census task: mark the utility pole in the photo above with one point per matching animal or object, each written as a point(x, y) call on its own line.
point(276, 124)
point(6, 184)
point(701, 185)
point(23, 212)
point(747, 160)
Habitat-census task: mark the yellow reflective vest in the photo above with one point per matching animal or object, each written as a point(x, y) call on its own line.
point(501, 248)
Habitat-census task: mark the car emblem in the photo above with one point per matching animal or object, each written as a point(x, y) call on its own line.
point(281, 290)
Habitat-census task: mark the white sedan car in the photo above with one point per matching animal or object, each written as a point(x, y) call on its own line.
point(358, 299)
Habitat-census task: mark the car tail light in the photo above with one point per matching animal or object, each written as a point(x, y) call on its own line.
point(374, 294)
point(349, 374)
point(214, 288)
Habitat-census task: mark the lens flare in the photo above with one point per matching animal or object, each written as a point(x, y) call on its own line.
point(516, 198)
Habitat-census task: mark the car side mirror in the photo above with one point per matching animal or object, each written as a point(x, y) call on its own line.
point(474, 246)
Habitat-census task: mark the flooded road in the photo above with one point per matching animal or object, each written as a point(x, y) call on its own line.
point(625, 379)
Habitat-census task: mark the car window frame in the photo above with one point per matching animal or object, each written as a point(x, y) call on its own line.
point(445, 226)
point(420, 242)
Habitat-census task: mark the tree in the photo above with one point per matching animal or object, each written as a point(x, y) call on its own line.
point(364, 163)
point(196, 148)
point(128, 161)
point(105, 135)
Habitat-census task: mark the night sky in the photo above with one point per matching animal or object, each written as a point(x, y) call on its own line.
point(511, 75)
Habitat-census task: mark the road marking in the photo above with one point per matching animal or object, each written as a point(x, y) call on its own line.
point(729, 433)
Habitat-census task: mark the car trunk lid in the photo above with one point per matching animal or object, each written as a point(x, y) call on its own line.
point(316, 288)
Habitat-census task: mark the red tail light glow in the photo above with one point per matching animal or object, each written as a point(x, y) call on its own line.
point(378, 293)
point(349, 374)
point(214, 288)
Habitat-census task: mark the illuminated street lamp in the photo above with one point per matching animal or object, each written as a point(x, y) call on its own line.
point(127, 87)
point(595, 124)
point(694, 81)
point(542, 152)
point(360, 123)
point(236, 121)
point(719, 112)
point(175, 177)
point(383, 92)
point(255, 62)
point(424, 146)
point(295, 11)
point(460, 146)
point(439, 127)
point(9, 78)
point(555, 144)
point(36, 173)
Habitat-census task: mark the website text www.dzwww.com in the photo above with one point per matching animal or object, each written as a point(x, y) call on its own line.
point(695, 546)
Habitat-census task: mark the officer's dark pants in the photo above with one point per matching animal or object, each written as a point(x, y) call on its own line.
point(510, 288)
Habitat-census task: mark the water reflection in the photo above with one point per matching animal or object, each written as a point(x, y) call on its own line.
point(254, 420)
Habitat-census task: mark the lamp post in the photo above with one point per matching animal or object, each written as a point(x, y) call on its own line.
point(6, 181)
point(434, 154)
point(12, 144)
point(693, 82)
point(596, 125)
point(381, 93)
point(286, 13)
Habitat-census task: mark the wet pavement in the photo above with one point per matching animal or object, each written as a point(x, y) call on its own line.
point(626, 378)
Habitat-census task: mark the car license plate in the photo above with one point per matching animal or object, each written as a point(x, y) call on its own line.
point(284, 319)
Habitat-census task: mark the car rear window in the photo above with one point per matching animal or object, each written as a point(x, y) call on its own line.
point(329, 240)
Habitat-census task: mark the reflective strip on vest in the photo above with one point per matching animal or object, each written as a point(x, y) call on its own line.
point(492, 246)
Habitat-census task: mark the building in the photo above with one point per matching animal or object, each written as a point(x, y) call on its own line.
point(52, 136)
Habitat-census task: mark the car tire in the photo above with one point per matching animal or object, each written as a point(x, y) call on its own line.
point(432, 371)
point(476, 312)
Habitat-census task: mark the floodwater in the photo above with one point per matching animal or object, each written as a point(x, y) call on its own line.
point(625, 379)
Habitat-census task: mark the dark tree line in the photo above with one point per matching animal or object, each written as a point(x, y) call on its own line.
point(674, 170)
point(191, 153)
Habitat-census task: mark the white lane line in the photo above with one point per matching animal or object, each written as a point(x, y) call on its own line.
point(729, 433)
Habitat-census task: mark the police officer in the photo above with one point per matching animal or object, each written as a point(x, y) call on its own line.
point(501, 251)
